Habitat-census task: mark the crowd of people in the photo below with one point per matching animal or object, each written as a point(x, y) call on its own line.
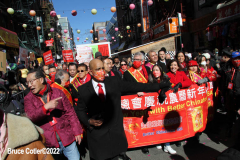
point(58, 105)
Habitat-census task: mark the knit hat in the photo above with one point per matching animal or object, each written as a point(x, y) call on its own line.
point(13, 66)
point(235, 54)
point(192, 63)
point(97, 54)
point(207, 55)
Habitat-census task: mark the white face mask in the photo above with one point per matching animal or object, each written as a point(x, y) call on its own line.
point(204, 63)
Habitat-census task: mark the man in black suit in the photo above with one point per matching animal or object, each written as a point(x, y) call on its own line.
point(162, 59)
point(108, 68)
point(99, 109)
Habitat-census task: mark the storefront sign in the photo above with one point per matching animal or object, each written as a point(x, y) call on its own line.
point(8, 38)
point(67, 56)
point(47, 56)
point(169, 26)
point(49, 42)
point(180, 116)
point(3, 61)
point(229, 10)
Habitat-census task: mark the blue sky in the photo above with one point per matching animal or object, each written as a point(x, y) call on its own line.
point(84, 21)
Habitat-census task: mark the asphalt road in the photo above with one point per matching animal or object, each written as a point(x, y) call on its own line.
point(212, 142)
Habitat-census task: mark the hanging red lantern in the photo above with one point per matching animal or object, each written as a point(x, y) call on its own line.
point(38, 28)
point(32, 13)
point(139, 25)
point(91, 31)
point(74, 12)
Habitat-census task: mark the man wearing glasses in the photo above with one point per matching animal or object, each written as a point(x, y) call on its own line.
point(81, 78)
point(138, 73)
point(50, 109)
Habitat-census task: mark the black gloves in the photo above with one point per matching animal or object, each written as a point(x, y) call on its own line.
point(162, 96)
point(204, 80)
point(165, 84)
point(175, 88)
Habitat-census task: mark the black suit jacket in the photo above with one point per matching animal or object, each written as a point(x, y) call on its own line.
point(108, 140)
point(163, 65)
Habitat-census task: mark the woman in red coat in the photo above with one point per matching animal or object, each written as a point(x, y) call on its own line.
point(206, 71)
point(177, 77)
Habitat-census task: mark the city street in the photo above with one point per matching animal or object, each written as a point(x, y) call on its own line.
point(210, 146)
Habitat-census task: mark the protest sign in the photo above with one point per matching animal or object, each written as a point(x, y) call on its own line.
point(67, 56)
point(47, 56)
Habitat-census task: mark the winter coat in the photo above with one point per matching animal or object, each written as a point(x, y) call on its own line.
point(67, 126)
point(211, 74)
point(24, 135)
point(179, 77)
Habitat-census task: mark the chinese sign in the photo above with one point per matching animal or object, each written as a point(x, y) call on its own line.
point(229, 10)
point(49, 42)
point(47, 56)
point(67, 56)
point(180, 116)
point(8, 38)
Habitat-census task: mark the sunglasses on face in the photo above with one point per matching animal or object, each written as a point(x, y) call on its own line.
point(123, 64)
point(81, 71)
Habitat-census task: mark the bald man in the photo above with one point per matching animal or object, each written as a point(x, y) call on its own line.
point(99, 108)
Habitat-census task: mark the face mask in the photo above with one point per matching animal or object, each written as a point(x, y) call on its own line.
point(137, 64)
point(99, 75)
point(204, 63)
point(124, 67)
point(67, 84)
point(236, 63)
point(52, 74)
point(46, 72)
point(156, 74)
point(2, 97)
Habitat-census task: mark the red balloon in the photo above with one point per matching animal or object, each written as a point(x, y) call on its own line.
point(74, 12)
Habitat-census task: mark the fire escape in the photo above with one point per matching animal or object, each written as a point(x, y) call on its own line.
point(28, 37)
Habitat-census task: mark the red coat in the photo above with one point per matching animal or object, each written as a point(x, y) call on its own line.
point(67, 126)
point(211, 74)
point(180, 77)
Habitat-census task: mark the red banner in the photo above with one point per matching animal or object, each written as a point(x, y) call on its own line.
point(49, 42)
point(67, 56)
point(180, 116)
point(104, 49)
point(47, 56)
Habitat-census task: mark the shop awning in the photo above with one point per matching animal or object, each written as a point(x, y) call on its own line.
point(8, 38)
point(122, 46)
point(225, 19)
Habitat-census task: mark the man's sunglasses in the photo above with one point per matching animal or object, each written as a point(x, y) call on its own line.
point(81, 71)
point(123, 64)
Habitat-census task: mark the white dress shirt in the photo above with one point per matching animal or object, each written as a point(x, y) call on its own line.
point(71, 78)
point(164, 61)
point(96, 88)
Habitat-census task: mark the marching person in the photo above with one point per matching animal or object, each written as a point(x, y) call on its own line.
point(99, 109)
point(162, 59)
point(62, 82)
point(81, 78)
point(157, 76)
point(153, 59)
point(72, 69)
point(45, 71)
point(181, 58)
point(177, 77)
point(108, 68)
point(64, 67)
point(124, 66)
point(50, 109)
point(194, 73)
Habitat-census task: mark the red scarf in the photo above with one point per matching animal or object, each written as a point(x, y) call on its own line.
point(42, 91)
point(121, 71)
point(88, 78)
point(183, 65)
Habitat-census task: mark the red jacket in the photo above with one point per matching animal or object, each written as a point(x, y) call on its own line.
point(67, 126)
point(211, 74)
point(180, 77)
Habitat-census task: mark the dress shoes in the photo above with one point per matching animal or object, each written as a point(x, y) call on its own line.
point(124, 156)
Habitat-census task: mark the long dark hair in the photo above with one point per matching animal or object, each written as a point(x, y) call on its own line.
point(169, 64)
point(176, 56)
point(151, 78)
point(199, 60)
